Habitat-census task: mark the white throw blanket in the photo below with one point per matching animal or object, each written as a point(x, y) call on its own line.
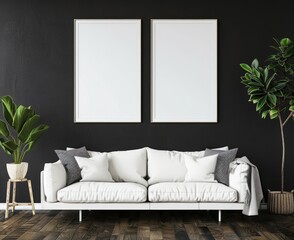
point(254, 193)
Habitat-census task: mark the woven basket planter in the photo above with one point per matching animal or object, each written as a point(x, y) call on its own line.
point(280, 203)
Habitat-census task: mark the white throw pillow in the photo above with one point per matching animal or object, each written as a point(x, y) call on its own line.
point(165, 166)
point(54, 180)
point(94, 169)
point(200, 169)
point(128, 166)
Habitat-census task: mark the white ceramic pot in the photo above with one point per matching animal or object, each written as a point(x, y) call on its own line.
point(17, 171)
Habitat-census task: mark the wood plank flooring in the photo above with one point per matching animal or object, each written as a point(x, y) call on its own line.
point(144, 225)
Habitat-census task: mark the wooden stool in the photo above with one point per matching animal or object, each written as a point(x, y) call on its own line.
point(13, 204)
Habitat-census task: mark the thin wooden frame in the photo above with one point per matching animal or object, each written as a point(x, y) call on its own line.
point(107, 85)
point(184, 71)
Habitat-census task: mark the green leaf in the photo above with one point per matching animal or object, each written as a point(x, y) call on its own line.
point(272, 66)
point(261, 103)
point(255, 90)
point(254, 83)
point(273, 56)
point(247, 76)
point(255, 63)
point(269, 80)
point(292, 102)
point(9, 152)
point(36, 133)
point(277, 41)
point(246, 67)
point(265, 73)
point(9, 108)
point(281, 62)
point(8, 146)
point(4, 129)
point(254, 98)
point(257, 74)
point(31, 145)
point(245, 82)
point(273, 113)
point(264, 114)
point(257, 93)
point(285, 42)
point(27, 128)
point(291, 108)
point(278, 87)
point(272, 98)
point(279, 94)
point(20, 117)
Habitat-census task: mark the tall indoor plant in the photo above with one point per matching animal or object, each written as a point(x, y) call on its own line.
point(271, 89)
point(19, 132)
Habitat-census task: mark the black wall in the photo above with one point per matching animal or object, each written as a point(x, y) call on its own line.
point(36, 68)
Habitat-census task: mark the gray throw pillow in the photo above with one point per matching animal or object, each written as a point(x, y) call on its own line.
point(223, 163)
point(67, 158)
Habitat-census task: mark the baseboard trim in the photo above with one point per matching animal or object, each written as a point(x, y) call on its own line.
point(263, 206)
point(38, 206)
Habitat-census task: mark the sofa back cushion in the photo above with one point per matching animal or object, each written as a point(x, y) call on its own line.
point(128, 166)
point(169, 166)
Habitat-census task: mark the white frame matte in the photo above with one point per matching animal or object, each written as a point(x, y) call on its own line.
point(107, 70)
point(184, 71)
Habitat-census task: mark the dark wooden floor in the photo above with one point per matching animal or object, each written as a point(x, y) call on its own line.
point(144, 225)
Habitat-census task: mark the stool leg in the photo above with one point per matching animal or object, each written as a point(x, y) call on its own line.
point(31, 196)
point(7, 199)
point(13, 196)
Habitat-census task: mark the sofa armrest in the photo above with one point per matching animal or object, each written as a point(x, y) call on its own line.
point(42, 186)
point(54, 180)
point(238, 179)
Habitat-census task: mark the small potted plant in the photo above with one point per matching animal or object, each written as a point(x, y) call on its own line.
point(271, 89)
point(19, 132)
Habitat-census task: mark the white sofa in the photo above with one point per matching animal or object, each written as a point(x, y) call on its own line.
point(166, 188)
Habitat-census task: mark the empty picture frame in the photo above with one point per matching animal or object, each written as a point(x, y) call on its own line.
point(184, 71)
point(107, 71)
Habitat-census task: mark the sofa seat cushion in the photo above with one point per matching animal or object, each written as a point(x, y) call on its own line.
point(191, 192)
point(106, 192)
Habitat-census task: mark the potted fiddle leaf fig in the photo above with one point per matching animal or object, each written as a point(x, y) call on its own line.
point(271, 89)
point(19, 132)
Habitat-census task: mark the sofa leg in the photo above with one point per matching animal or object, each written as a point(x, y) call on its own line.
point(219, 215)
point(80, 216)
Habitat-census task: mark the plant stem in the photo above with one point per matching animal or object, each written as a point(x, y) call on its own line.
point(290, 115)
point(283, 152)
point(24, 151)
